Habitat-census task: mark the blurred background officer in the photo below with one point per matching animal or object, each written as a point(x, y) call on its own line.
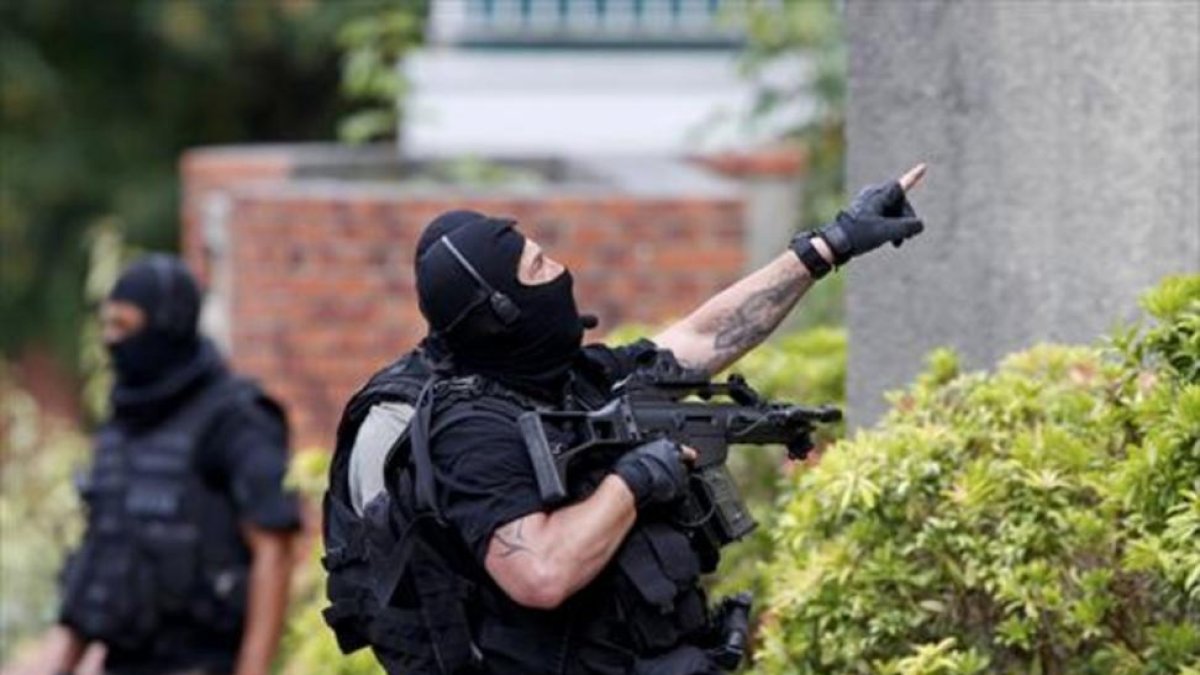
point(185, 561)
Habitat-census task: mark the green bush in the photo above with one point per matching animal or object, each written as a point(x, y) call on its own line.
point(1043, 518)
point(308, 645)
point(39, 512)
point(807, 367)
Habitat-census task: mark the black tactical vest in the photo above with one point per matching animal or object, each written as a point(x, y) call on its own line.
point(405, 585)
point(646, 602)
point(162, 542)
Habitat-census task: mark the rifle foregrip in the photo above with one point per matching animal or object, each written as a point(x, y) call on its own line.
point(551, 483)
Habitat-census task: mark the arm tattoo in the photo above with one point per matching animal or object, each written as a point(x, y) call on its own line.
point(748, 324)
point(511, 539)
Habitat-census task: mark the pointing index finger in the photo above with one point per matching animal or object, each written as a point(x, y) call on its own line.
point(909, 180)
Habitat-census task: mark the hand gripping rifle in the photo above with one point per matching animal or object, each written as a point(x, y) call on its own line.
point(650, 404)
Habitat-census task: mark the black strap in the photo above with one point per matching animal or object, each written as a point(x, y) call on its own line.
point(197, 416)
point(423, 481)
point(337, 558)
point(345, 618)
point(808, 254)
point(487, 399)
point(443, 609)
point(389, 551)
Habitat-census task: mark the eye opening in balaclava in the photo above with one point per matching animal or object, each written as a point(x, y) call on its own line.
point(533, 351)
point(163, 288)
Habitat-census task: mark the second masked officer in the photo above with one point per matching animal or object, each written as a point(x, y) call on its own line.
point(185, 562)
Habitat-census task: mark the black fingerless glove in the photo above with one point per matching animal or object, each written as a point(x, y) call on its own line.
point(654, 472)
point(879, 214)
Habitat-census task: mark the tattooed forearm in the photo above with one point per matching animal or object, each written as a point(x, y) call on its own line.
point(511, 539)
point(742, 327)
point(738, 318)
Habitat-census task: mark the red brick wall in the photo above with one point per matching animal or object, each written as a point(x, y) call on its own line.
point(206, 173)
point(322, 283)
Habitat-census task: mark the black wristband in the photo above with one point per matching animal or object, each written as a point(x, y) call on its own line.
point(808, 254)
point(837, 236)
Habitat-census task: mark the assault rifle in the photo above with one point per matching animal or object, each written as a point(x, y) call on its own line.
point(660, 400)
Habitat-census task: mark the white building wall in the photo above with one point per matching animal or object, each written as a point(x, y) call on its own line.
point(581, 102)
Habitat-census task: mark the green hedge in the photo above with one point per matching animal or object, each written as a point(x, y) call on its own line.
point(39, 512)
point(308, 645)
point(1043, 518)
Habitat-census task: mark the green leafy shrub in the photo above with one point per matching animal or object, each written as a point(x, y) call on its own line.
point(373, 45)
point(40, 512)
point(807, 367)
point(40, 515)
point(308, 645)
point(1043, 518)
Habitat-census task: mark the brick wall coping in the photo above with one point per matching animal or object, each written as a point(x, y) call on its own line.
point(298, 154)
point(320, 166)
point(782, 161)
point(326, 189)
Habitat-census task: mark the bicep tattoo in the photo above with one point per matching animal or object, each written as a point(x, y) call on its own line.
point(511, 540)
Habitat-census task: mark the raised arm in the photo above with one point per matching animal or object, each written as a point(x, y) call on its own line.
point(740, 317)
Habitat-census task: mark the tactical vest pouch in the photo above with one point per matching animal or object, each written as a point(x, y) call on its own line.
point(349, 584)
point(401, 643)
point(656, 587)
point(389, 591)
point(166, 542)
point(107, 598)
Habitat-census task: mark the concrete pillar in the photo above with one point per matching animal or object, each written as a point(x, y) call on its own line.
point(1063, 139)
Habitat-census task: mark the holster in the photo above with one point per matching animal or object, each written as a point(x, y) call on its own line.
point(731, 631)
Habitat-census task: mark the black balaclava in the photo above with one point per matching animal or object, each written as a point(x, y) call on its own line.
point(531, 353)
point(161, 286)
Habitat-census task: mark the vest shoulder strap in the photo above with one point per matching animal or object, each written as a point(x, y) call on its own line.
point(197, 416)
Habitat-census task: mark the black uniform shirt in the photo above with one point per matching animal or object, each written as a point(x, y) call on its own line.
point(486, 480)
point(485, 477)
point(247, 459)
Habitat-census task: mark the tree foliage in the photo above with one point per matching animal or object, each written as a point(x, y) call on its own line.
point(805, 38)
point(374, 46)
point(40, 455)
point(98, 100)
point(807, 32)
point(1042, 518)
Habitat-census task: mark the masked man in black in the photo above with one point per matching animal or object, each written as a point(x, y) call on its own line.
point(185, 560)
point(607, 583)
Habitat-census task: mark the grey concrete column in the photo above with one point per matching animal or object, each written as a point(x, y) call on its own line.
point(1063, 139)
